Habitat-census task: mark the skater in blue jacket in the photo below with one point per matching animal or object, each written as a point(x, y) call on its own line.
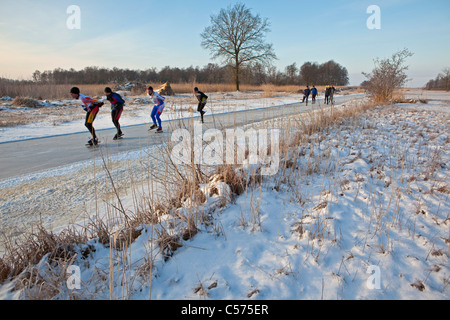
point(158, 100)
point(314, 93)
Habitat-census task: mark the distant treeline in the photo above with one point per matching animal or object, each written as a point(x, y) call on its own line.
point(442, 81)
point(256, 74)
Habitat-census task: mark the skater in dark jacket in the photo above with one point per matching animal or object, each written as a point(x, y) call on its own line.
point(306, 92)
point(327, 95)
point(332, 92)
point(91, 107)
point(314, 93)
point(202, 100)
point(117, 104)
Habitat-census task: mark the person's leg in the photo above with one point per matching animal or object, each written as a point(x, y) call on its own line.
point(200, 109)
point(158, 118)
point(90, 117)
point(117, 118)
point(153, 115)
point(115, 115)
point(87, 124)
point(159, 112)
point(114, 118)
point(93, 116)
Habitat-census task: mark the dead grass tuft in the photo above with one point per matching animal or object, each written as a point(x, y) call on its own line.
point(201, 291)
point(27, 103)
point(444, 189)
point(418, 285)
point(168, 244)
point(124, 238)
point(189, 232)
point(20, 256)
point(236, 179)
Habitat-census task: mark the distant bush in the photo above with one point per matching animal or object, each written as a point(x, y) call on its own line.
point(387, 76)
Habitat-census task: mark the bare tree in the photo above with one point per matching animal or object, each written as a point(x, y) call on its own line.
point(292, 74)
point(238, 37)
point(388, 75)
point(309, 72)
point(446, 78)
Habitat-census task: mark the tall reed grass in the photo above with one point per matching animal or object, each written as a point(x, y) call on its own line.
point(47, 91)
point(59, 91)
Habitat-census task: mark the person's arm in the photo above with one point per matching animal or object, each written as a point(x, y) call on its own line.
point(87, 102)
point(204, 98)
point(159, 100)
point(119, 98)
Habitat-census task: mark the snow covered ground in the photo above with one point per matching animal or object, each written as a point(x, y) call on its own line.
point(360, 211)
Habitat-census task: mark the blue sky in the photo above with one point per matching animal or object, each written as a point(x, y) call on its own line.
point(139, 34)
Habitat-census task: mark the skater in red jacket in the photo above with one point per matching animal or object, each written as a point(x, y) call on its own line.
point(91, 107)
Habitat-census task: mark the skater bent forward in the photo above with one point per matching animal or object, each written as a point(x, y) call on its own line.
point(91, 107)
point(117, 104)
point(202, 100)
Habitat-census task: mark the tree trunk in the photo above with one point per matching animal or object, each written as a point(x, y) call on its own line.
point(236, 75)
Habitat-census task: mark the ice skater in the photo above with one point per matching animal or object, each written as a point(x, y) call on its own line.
point(331, 94)
point(202, 100)
point(92, 108)
point(306, 92)
point(117, 104)
point(314, 94)
point(158, 100)
point(327, 94)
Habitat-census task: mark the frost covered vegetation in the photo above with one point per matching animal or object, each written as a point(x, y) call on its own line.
point(359, 186)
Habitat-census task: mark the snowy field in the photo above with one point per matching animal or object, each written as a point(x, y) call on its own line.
point(366, 199)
